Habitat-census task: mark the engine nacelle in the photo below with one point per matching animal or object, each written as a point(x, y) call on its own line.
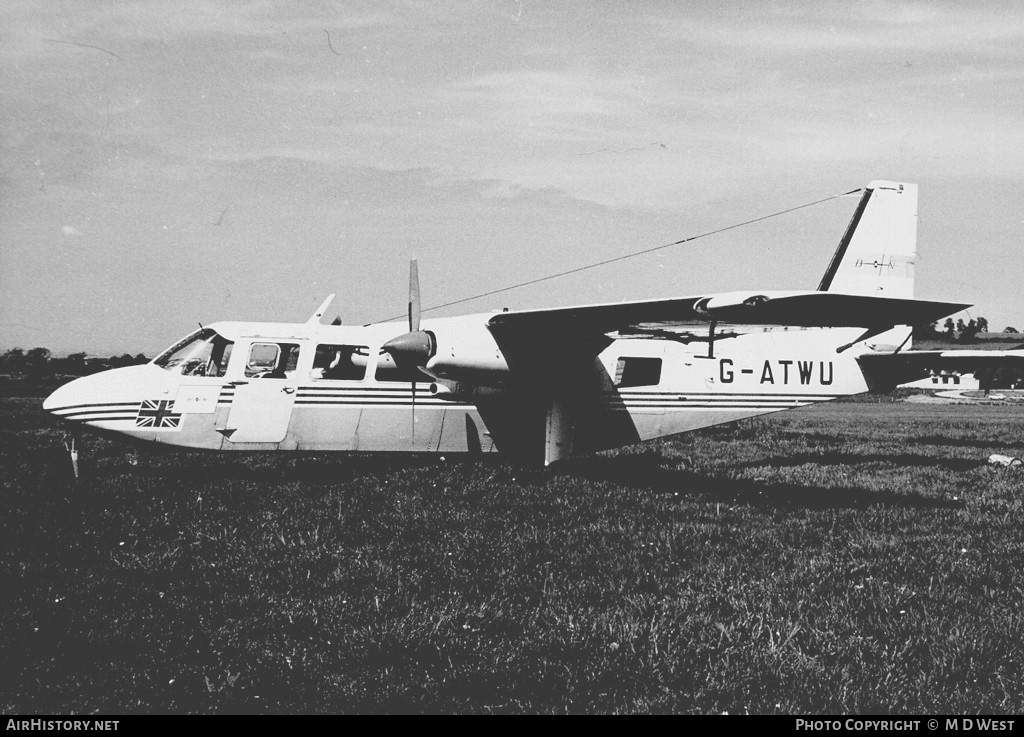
point(712, 306)
point(458, 391)
point(466, 351)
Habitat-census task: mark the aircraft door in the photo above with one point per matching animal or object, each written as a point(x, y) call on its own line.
point(263, 400)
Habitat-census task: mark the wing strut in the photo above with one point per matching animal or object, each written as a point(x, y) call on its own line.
point(869, 333)
point(711, 339)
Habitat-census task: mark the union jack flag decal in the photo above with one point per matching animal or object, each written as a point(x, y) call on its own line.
point(156, 413)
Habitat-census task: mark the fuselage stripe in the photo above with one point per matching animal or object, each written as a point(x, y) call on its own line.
point(606, 405)
point(627, 408)
point(380, 403)
point(101, 418)
point(131, 405)
point(717, 395)
point(83, 414)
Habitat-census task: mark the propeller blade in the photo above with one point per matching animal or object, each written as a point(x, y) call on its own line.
point(414, 348)
point(414, 296)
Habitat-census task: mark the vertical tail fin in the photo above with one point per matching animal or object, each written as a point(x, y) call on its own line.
point(877, 252)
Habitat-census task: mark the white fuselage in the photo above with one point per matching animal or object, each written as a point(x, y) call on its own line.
point(636, 389)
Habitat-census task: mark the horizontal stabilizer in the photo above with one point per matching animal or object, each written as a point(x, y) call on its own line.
point(884, 371)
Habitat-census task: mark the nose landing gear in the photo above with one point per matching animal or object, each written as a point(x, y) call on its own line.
point(72, 440)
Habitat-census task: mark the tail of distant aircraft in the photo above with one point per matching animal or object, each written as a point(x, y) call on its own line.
point(877, 252)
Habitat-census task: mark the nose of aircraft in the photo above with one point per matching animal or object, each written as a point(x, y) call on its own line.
point(62, 397)
point(91, 397)
point(83, 395)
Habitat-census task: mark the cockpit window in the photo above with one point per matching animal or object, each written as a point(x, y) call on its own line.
point(204, 353)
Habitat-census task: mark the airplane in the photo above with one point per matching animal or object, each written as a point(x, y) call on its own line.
point(545, 385)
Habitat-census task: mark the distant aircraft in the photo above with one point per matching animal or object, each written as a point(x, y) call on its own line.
point(545, 385)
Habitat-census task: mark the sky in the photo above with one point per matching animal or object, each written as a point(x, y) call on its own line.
point(165, 164)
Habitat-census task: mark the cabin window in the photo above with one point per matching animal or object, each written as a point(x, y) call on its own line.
point(203, 353)
point(340, 362)
point(634, 371)
point(272, 360)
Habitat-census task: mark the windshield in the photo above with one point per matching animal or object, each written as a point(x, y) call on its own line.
point(204, 353)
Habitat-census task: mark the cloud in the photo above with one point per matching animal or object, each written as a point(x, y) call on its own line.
point(547, 97)
point(865, 28)
point(460, 129)
point(124, 25)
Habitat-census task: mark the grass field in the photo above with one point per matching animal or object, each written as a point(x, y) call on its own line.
point(842, 558)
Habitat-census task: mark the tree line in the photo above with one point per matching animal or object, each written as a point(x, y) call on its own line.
point(962, 332)
point(40, 363)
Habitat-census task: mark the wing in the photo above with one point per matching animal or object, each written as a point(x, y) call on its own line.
point(566, 335)
point(796, 309)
